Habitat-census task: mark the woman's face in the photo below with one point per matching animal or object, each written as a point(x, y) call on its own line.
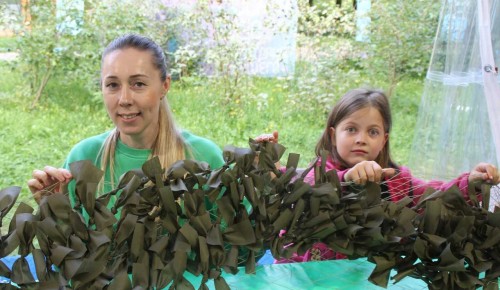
point(133, 90)
point(360, 136)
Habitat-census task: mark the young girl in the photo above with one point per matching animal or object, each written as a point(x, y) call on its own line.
point(356, 136)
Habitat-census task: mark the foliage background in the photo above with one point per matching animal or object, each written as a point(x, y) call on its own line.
point(228, 107)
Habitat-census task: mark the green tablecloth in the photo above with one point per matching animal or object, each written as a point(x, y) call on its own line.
point(334, 274)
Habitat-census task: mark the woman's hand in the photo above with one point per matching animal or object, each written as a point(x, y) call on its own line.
point(484, 172)
point(273, 138)
point(368, 171)
point(48, 181)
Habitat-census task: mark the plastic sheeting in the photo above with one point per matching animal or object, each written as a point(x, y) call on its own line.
point(333, 274)
point(457, 124)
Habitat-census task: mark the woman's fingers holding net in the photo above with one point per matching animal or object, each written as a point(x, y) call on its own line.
point(272, 137)
point(48, 181)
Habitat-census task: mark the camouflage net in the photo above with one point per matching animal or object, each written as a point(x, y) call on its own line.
point(165, 228)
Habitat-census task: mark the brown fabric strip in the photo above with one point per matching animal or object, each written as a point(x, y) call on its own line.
point(193, 218)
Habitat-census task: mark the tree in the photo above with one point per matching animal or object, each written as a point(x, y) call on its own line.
point(70, 52)
point(401, 38)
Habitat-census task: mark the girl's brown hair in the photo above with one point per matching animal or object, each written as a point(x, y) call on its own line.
point(349, 103)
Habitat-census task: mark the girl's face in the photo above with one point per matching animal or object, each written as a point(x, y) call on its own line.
point(132, 89)
point(360, 136)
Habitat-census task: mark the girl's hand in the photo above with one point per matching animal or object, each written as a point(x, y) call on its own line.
point(273, 138)
point(484, 172)
point(48, 181)
point(368, 171)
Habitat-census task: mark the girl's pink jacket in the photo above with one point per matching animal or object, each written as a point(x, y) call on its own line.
point(401, 185)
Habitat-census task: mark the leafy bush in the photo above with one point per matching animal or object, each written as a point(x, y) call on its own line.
point(68, 44)
point(227, 106)
point(400, 42)
point(328, 53)
point(401, 39)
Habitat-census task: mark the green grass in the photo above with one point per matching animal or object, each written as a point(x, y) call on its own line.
point(33, 138)
point(266, 107)
point(404, 108)
point(7, 44)
point(67, 113)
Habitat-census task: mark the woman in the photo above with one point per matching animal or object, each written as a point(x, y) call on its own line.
point(134, 83)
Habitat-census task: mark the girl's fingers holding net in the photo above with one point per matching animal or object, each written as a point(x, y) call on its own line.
point(389, 172)
point(372, 174)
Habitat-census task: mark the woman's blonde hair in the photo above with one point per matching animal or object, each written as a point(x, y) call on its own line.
point(169, 145)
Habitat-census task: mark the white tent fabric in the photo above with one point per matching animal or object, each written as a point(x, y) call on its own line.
point(459, 117)
point(490, 75)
